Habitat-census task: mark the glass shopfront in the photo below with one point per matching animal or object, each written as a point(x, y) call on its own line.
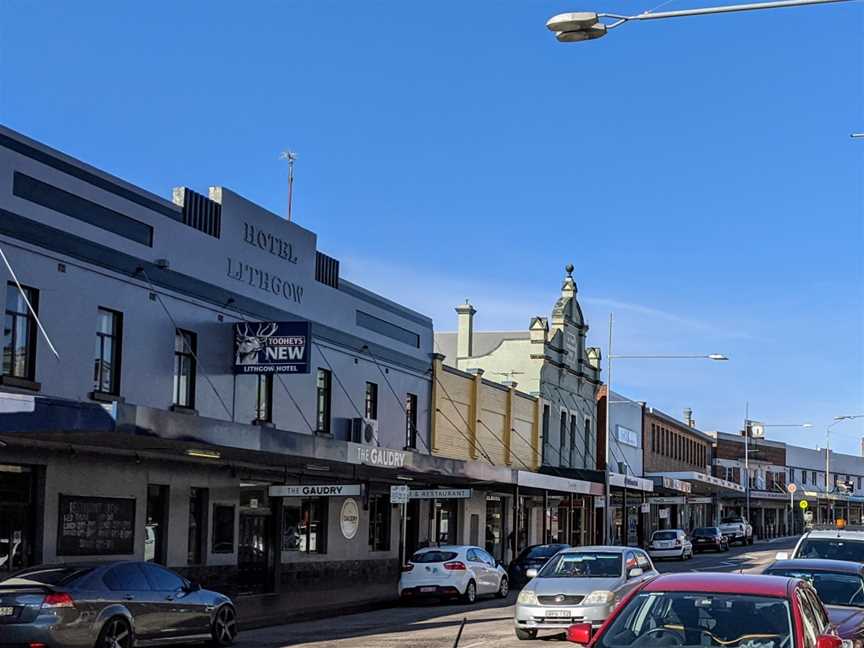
point(17, 517)
point(495, 512)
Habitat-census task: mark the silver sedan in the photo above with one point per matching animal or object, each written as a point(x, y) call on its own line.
point(580, 585)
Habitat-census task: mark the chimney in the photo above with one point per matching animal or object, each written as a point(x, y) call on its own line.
point(465, 332)
point(688, 417)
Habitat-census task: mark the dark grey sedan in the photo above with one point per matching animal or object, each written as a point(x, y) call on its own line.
point(110, 605)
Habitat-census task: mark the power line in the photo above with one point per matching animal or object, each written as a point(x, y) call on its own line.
point(395, 395)
point(503, 445)
point(339, 381)
point(475, 444)
point(186, 343)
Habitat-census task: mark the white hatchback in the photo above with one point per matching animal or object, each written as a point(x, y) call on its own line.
point(451, 571)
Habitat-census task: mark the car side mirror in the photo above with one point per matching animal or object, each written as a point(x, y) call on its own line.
point(828, 641)
point(636, 571)
point(192, 587)
point(531, 573)
point(782, 555)
point(580, 633)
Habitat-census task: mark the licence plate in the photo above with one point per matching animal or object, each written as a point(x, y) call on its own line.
point(558, 613)
point(428, 589)
point(7, 611)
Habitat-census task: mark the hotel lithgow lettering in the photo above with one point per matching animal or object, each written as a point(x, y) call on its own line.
point(264, 280)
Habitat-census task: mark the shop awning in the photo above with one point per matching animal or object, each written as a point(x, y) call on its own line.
point(670, 485)
point(557, 484)
point(627, 481)
point(703, 483)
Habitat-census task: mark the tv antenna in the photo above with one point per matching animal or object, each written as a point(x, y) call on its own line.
point(291, 157)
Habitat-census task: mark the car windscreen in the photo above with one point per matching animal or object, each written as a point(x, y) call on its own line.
point(665, 535)
point(543, 551)
point(433, 556)
point(58, 575)
point(833, 588)
point(731, 520)
point(583, 564)
point(705, 531)
point(685, 619)
point(832, 549)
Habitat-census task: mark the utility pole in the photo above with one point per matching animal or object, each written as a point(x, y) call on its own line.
point(607, 535)
point(747, 457)
point(291, 157)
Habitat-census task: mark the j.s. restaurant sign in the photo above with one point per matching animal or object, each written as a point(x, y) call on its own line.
point(271, 347)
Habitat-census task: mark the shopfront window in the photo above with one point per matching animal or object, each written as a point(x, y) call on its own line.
point(495, 527)
point(223, 528)
point(305, 526)
point(17, 511)
point(379, 522)
point(447, 515)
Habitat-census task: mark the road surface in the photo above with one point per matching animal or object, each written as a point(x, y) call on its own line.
point(490, 622)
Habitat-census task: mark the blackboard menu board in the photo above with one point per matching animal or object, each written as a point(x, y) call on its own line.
point(96, 526)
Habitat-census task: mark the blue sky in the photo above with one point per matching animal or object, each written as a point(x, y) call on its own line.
point(697, 172)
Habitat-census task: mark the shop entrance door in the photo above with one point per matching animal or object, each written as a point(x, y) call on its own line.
point(17, 521)
point(253, 546)
point(412, 527)
point(447, 515)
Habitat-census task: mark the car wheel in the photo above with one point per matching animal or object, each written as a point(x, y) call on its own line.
point(116, 633)
point(525, 635)
point(224, 630)
point(470, 595)
point(504, 588)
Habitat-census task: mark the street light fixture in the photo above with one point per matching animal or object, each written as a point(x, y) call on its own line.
point(579, 26)
point(607, 523)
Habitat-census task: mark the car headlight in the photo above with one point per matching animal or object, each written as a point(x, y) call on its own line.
point(600, 597)
point(527, 597)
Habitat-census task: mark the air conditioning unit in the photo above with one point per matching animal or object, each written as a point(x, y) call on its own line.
point(365, 431)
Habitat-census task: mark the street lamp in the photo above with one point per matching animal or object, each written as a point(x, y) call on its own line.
point(837, 419)
point(580, 26)
point(709, 356)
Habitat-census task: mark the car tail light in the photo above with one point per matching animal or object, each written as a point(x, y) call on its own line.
point(456, 565)
point(58, 600)
point(36, 644)
point(408, 567)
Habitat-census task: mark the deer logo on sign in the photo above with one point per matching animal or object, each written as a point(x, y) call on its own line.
point(249, 344)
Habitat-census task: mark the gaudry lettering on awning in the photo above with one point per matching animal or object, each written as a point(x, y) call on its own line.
point(380, 457)
point(316, 490)
point(440, 493)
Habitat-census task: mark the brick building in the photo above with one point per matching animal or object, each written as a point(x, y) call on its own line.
point(678, 457)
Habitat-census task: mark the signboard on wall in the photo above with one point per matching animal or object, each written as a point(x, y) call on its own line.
point(349, 519)
point(315, 490)
point(271, 347)
point(626, 436)
point(95, 526)
point(440, 493)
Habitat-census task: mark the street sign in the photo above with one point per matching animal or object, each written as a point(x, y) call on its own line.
point(791, 488)
point(808, 516)
point(399, 494)
point(803, 504)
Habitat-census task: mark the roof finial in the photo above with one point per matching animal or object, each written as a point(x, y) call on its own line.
point(569, 268)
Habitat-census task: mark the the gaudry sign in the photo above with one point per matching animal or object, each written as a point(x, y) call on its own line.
point(315, 490)
point(374, 456)
point(271, 347)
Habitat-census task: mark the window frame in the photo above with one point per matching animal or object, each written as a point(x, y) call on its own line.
point(32, 295)
point(189, 354)
point(323, 400)
point(411, 405)
point(264, 411)
point(116, 338)
point(371, 401)
point(306, 521)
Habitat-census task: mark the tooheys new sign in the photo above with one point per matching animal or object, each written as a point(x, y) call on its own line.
point(271, 347)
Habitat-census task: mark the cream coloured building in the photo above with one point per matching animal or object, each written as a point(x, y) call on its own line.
point(549, 360)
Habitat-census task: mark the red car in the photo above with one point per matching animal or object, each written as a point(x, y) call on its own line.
point(721, 610)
